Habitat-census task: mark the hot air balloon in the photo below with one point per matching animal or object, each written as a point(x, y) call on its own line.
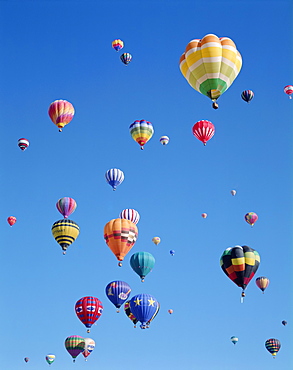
point(23, 143)
point(288, 90)
point(26, 359)
point(233, 192)
point(65, 232)
point(170, 311)
point(11, 220)
point(141, 132)
point(164, 140)
point(234, 340)
point(210, 65)
point(247, 95)
point(156, 240)
point(262, 282)
point(50, 358)
point(203, 130)
point(204, 215)
point(74, 345)
point(251, 218)
point(61, 113)
point(89, 346)
point(129, 313)
point(172, 252)
point(114, 177)
point(284, 322)
point(118, 292)
point(117, 44)
point(126, 58)
point(120, 236)
point(143, 306)
point(273, 346)
point(88, 310)
point(142, 263)
point(130, 214)
point(240, 265)
point(66, 206)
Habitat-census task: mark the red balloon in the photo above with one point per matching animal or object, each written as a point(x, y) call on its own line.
point(11, 220)
point(88, 310)
point(204, 130)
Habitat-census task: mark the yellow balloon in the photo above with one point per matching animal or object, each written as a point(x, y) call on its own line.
point(65, 232)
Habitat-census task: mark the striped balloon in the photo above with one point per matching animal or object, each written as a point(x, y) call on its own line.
point(288, 90)
point(247, 95)
point(164, 140)
point(74, 345)
point(130, 214)
point(126, 58)
point(88, 347)
point(23, 143)
point(273, 346)
point(129, 314)
point(66, 206)
point(210, 65)
point(141, 131)
point(117, 44)
point(114, 177)
point(61, 113)
point(50, 358)
point(262, 282)
point(65, 232)
point(204, 130)
point(88, 310)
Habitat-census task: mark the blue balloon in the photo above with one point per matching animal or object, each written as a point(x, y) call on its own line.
point(118, 292)
point(172, 252)
point(144, 306)
point(114, 177)
point(142, 263)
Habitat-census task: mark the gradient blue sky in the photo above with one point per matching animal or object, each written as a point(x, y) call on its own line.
point(62, 50)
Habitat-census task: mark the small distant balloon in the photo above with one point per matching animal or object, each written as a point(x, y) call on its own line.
point(50, 358)
point(11, 220)
point(156, 240)
point(26, 359)
point(288, 90)
point(247, 95)
point(66, 206)
point(23, 143)
point(233, 192)
point(234, 340)
point(164, 140)
point(114, 177)
point(141, 131)
point(262, 282)
point(204, 215)
point(117, 44)
point(251, 218)
point(170, 311)
point(284, 322)
point(126, 58)
point(130, 214)
point(203, 130)
point(172, 252)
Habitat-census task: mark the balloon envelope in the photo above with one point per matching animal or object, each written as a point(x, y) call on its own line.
point(50, 358)
point(143, 306)
point(170, 311)
point(142, 263)
point(61, 113)
point(233, 192)
point(117, 44)
point(204, 215)
point(89, 346)
point(130, 214)
point(118, 292)
point(126, 58)
point(172, 252)
point(284, 322)
point(273, 346)
point(247, 95)
point(23, 143)
point(251, 218)
point(262, 282)
point(26, 359)
point(74, 345)
point(141, 131)
point(65, 232)
point(11, 220)
point(88, 310)
point(203, 130)
point(66, 206)
point(129, 314)
point(156, 240)
point(234, 340)
point(114, 177)
point(164, 140)
point(288, 90)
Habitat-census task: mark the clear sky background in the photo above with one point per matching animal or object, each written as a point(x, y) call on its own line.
point(62, 50)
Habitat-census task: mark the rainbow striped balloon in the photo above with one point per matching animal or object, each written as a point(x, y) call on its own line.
point(66, 206)
point(74, 345)
point(61, 113)
point(210, 65)
point(141, 131)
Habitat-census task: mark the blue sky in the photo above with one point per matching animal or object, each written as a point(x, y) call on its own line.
point(62, 50)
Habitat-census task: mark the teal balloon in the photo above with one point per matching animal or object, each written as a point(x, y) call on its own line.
point(142, 263)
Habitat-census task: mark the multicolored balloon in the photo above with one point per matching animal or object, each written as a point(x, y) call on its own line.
point(210, 65)
point(203, 130)
point(233, 192)
point(120, 236)
point(273, 346)
point(204, 215)
point(172, 252)
point(50, 358)
point(11, 220)
point(117, 44)
point(141, 131)
point(130, 214)
point(170, 311)
point(262, 282)
point(142, 263)
point(88, 310)
point(61, 113)
point(26, 359)
point(65, 232)
point(251, 218)
point(89, 346)
point(284, 322)
point(126, 58)
point(66, 206)
point(118, 292)
point(74, 345)
point(129, 313)
point(23, 143)
point(288, 90)
point(114, 177)
point(164, 140)
point(156, 240)
point(234, 340)
point(247, 95)
point(240, 265)
point(144, 307)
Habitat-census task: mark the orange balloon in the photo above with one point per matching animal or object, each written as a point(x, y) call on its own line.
point(120, 235)
point(170, 311)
